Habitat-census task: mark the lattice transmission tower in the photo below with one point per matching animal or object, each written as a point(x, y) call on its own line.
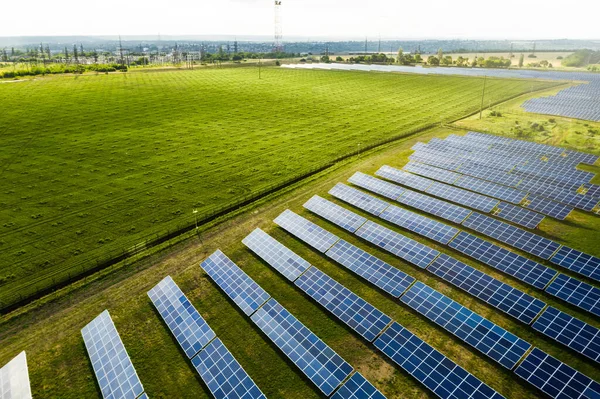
point(278, 45)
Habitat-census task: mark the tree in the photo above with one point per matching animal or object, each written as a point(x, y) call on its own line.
point(440, 54)
point(325, 58)
point(66, 55)
point(433, 60)
point(12, 51)
point(48, 53)
point(418, 58)
point(81, 50)
point(400, 58)
point(447, 60)
point(521, 58)
point(339, 59)
point(75, 54)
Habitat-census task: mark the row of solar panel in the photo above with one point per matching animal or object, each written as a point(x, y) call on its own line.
point(492, 340)
point(569, 258)
point(515, 303)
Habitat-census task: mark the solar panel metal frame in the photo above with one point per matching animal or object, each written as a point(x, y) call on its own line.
point(14, 378)
point(357, 387)
point(575, 292)
point(315, 236)
point(339, 215)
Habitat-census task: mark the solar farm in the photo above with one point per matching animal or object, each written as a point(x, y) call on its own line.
point(444, 263)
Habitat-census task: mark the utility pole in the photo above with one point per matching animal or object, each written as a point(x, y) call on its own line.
point(482, 96)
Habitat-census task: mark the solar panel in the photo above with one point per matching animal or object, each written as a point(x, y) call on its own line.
point(491, 189)
point(492, 340)
point(114, 371)
point(189, 328)
point(516, 214)
point(438, 373)
point(502, 296)
point(502, 259)
point(277, 255)
point(307, 231)
point(419, 224)
point(355, 312)
point(576, 292)
point(569, 331)
point(399, 245)
point(555, 378)
point(578, 262)
point(325, 368)
point(548, 207)
point(242, 290)
point(463, 197)
point(404, 178)
point(334, 213)
point(378, 186)
point(432, 172)
point(359, 199)
point(14, 379)
point(223, 375)
point(357, 387)
point(372, 269)
point(511, 235)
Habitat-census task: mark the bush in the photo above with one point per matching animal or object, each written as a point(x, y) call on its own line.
point(496, 113)
point(277, 63)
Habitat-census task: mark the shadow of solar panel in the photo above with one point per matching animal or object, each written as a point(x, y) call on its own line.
point(359, 199)
point(485, 336)
point(189, 328)
point(463, 197)
point(372, 269)
point(355, 312)
point(242, 290)
point(405, 248)
point(334, 213)
point(277, 255)
point(502, 259)
point(516, 214)
point(555, 378)
point(575, 292)
point(511, 235)
point(445, 176)
point(223, 375)
point(114, 371)
point(307, 231)
point(404, 178)
point(578, 262)
point(378, 186)
point(491, 189)
point(357, 387)
point(434, 206)
point(438, 373)
point(502, 296)
point(569, 331)
point(14, 379)
point(325, 368)
point(419, 224)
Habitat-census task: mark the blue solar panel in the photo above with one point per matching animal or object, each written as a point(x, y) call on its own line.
point(516, 214)
point(114, 371)
point(399, 245)
point(502, 296)
point(569, 331)
point(334, 213)
point(355, 312)
point(576, 292)
point(548, 207)
point(357, 387)
point(463, 197)
point(502, 259)
point(189, 328)
point(242, 290)
point(419, 224)
point(555, 378)
point(492, 340)
point(325, 368)
point(511, 235)
point(307, 231)
point(437, 207)
point(404, 178)
point(378, 186)
point(372, 269)
point(578, 262)
point(277, 255)
point(359, 199)
point(491, 189)
point(432, 172)
point(438, 373)
point(223, 375)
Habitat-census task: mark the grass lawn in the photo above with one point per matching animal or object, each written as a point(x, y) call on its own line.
point(58, 363)
point(92, 165)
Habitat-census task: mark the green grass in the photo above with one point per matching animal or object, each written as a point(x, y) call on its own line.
point(92, 165)
point(58, 363)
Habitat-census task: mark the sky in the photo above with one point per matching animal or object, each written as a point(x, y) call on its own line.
point(316, 19)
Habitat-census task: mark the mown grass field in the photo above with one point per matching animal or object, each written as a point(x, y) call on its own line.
point(58, 363)
point(92, 165)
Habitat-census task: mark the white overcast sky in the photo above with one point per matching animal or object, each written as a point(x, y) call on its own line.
point(394, 19)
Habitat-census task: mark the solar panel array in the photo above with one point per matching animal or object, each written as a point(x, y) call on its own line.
point(359, 198)
point(381, 187)
point(569, 331)
point(494, 341)
point(14, 379)
point(419, 224)
point(578, 262)
point(548, 207)
point(578, 293)
point(463, 197)
point(518, 215)
point(344, 218)
point(112, 366)
point(306, 230)
point(357, 387)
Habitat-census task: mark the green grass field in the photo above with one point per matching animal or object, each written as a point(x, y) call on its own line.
point(92, 165)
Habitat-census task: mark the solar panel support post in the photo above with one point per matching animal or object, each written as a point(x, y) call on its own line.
point(482, 96)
